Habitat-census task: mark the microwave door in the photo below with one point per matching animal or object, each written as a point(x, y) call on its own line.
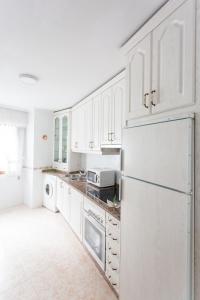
point(92, 176)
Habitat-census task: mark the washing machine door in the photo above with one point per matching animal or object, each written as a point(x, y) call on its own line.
point(48, 189)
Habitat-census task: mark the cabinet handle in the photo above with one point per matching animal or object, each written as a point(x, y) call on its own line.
point(115, 254)
point(109, 137)
point(112, 138)
point(152, 97)
point(145, 100)
point(114, 269)
point(114, 239)
point(114, 284)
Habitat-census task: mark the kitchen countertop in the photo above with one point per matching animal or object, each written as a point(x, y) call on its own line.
point(81, 186)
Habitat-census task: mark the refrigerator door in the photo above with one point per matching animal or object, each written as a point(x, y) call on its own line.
point(160, 153)
point(155, 243)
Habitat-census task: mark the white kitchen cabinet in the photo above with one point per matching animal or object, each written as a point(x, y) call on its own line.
point(173, 60)
point(67, 203)
point(97, 120)
point(160, 72)
point(139, 79)
point(112, 114)
point(118, 93)
point(96, 123)
point(88, 125)
point(60, 194)
point(76, 212)
point(106, 116)
point(113, 251)
point(78, 128)
point(61, 140)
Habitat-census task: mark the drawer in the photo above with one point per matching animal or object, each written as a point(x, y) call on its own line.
point(113, 249)
point(112, 262)
point(113, 222)
point(113, 234)
point(113, 277)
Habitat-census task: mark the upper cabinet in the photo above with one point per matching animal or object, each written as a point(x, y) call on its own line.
point(112, 114)
point(61, 140)
point(97, 120)
point(161, 65)
point(139, 79)
point(173, 60)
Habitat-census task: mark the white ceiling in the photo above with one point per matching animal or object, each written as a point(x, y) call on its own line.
point(72, 46)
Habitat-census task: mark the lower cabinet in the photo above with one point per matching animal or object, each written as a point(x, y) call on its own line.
point(112, 251)
point(76, 212)
point(69, 203)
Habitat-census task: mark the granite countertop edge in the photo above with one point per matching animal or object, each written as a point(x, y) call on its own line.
point(80, 186)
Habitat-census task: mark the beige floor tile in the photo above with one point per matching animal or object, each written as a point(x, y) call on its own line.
point(40, 258)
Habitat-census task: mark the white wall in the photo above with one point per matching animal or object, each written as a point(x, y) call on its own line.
point(11, 191)
point(11, 187)
point(38, 155)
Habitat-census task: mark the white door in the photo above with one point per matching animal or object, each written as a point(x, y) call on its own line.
point(60, 194)
point(96, 123)
point(173, 60)
point(160, 153)
point(76, 212)
point(106, 116)
point(74, 130)
point(88, 128)
point(138, 78)
point(155, 243)
point(67, 203)
point(118, 98)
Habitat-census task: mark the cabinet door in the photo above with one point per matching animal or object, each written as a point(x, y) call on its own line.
point(138, 78)
point(56, 139)
point(67, 202)
point(106, 116)
point(64, 152)
point(76, 212)
point(173, 60)
point(74, 130)
point(96, 123)
point(155, 243)
point(88, 135)
point(118, 97)
point(60, 194)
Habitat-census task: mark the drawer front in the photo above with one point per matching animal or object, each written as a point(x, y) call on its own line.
point(112, 263)
point(113, 222)
point(113, 249)
point(113, 277)
point(113, 234)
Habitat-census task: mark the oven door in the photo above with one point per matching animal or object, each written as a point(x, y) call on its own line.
point(94, 239)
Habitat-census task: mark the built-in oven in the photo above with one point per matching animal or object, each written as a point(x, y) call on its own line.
point(94, 232)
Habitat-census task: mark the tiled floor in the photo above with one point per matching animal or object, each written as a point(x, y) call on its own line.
point(40, 258)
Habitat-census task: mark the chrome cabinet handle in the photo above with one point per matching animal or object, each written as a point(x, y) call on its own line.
point(145, 100)
point(152, 97)
point(109, 137)
point(112, 138)
point(114, 269)
point(114, 239)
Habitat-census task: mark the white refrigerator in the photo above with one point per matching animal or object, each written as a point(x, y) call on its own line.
point(157, 212)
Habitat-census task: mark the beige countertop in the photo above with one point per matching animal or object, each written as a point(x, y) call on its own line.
point(81, 186)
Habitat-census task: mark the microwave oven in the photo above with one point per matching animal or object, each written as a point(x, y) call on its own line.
point(101, 177)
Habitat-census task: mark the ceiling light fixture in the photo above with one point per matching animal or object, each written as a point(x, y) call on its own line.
point(28, 78)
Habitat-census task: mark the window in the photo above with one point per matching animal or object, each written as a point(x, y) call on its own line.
point(10, 150)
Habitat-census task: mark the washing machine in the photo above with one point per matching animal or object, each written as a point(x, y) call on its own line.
point(49, 191)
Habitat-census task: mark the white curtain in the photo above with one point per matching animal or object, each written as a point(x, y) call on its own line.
point(11, 149)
